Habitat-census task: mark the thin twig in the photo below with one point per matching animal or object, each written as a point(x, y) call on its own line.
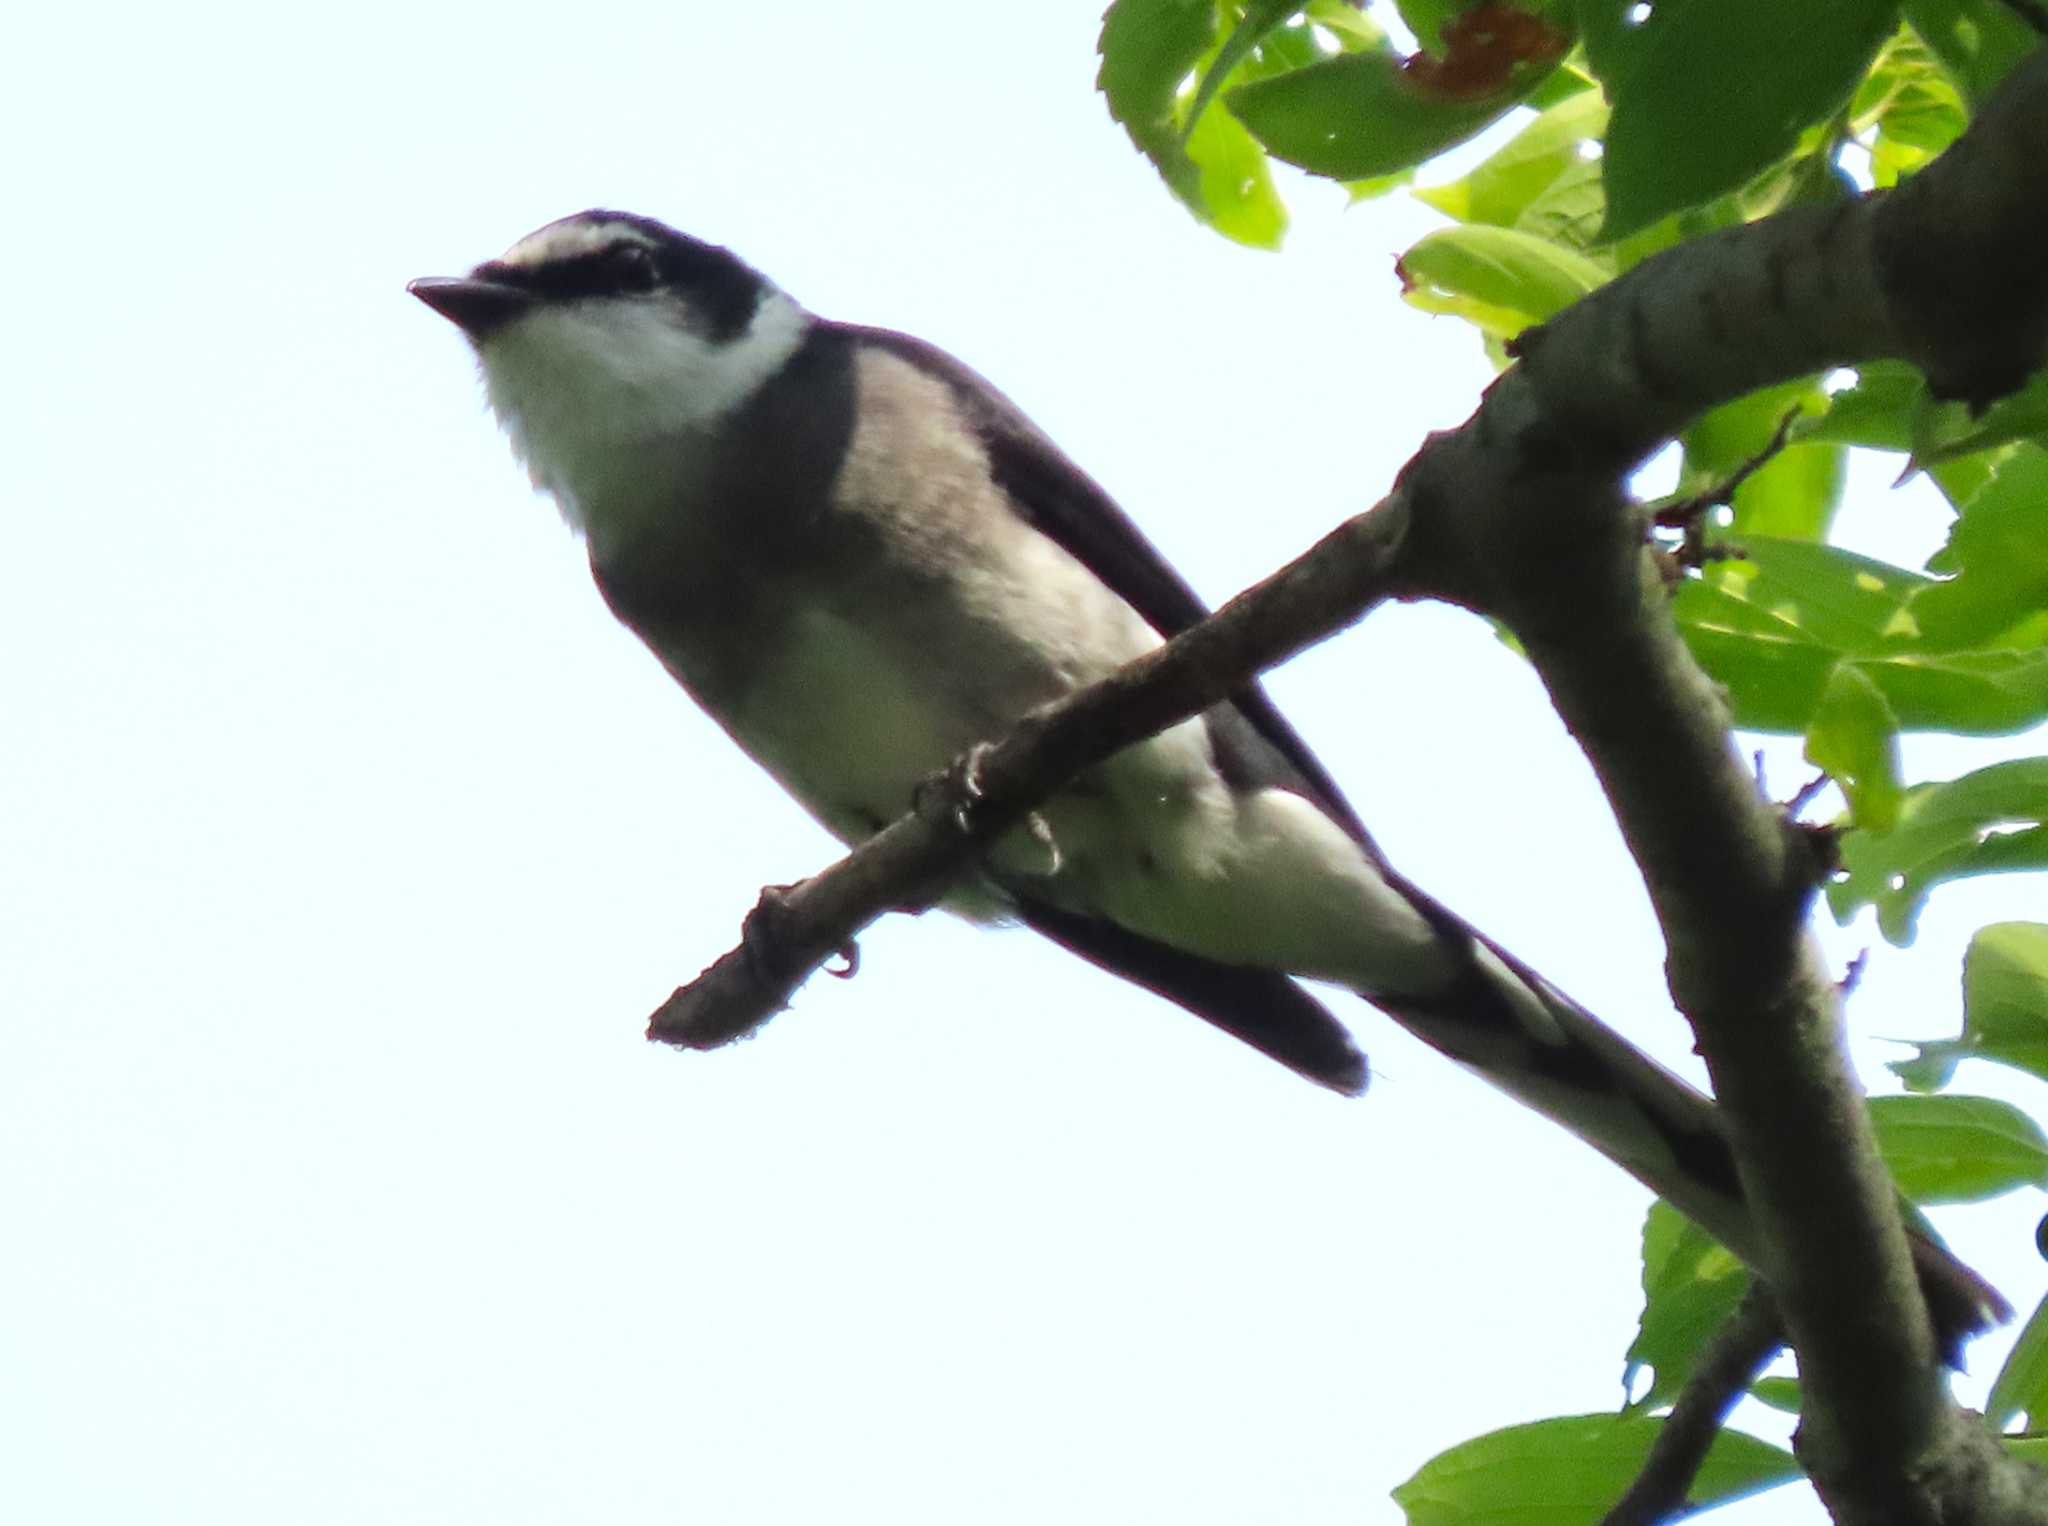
point(1688, 515)
point(1806, 794)
point(1739, 1351)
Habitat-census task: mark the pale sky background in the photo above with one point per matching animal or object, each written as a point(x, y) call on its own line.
point(348, 842)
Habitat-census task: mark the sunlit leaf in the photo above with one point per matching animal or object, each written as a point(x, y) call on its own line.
point(1854, 738)
point(1907, 110)
point(1570, 1471)
point(1772, 629)
point(1979, 41)
point(1260, 17)
point(1500, 278)
point(1236, 183)
point(1691, 1284)
point(1500, 189)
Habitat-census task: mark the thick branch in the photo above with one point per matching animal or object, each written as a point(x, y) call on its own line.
point(1520, 514)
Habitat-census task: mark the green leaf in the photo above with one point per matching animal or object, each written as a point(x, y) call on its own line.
point(1359, 116)
point(1998, 551)
point(1504, 185)
point(1951, 1149)
point(1426, 18)
point(1979, 41)
point(1149, 48)
point(1570, 210)
point(1773, 627)
point(1782, 1394)
point(1691, 1284)
point(1854, 738)
point(1236, 183)
point(1570, 1471)
point(1710, 93)
point(1878, 411)
point(1499, 278)
point(1794, 494)
point(2005, 1009)
point(1260, 17)
point(1907, 110)
point(1988, 822)
point(1943, 431)
point(2022, 1383)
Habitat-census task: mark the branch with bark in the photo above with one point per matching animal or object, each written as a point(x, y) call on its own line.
point(1740, 1350)
point(1521, 514)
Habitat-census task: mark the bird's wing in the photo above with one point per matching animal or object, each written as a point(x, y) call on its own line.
point(1255, 745)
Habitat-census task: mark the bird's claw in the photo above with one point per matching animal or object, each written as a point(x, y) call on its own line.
point(951, 795)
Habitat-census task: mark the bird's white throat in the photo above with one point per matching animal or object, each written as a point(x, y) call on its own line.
point(594, 394)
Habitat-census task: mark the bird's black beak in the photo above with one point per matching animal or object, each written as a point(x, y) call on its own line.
point(475, 307)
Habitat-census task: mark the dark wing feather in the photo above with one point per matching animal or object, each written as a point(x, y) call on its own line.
point(1264, 1008)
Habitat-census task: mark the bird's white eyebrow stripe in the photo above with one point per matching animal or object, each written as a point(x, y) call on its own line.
point(569, 240)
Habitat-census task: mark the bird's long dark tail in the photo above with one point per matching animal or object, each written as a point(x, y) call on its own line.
point(1519, 1032)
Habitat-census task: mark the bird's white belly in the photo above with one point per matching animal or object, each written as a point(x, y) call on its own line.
point(1154, 839)
point(835, 718)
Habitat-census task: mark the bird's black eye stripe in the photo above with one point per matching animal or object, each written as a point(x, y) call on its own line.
point(722, 292)
point(617, 269)
point(633, 266)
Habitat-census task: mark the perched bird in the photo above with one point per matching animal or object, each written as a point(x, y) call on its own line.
point(861, 560)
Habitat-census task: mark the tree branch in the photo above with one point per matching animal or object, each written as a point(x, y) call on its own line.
point(1740, 1350)
point(1520, 514)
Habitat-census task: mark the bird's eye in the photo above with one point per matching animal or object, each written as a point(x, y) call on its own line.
point(633, 267)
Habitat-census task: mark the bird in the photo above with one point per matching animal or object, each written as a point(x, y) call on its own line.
point(863, 561)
